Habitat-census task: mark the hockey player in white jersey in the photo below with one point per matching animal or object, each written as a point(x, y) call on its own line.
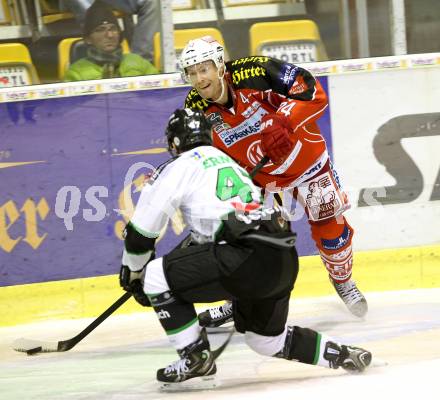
point(239, 251)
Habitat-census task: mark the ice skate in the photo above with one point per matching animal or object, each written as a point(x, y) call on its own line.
point(352, 297)
point(350, 358)
point(216, 316)
point(196, 361)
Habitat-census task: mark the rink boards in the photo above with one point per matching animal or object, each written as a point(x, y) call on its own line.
point(66, 151)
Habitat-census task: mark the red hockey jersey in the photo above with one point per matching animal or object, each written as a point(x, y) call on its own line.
point(261, 85)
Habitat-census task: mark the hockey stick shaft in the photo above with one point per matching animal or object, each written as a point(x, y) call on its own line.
point(254, 172)
point(260, 165)
point(30, 346)
point(65, 345)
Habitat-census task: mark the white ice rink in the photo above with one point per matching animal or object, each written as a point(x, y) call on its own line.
point(120, 358)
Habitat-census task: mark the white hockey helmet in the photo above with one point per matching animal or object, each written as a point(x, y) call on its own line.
point(202, 49)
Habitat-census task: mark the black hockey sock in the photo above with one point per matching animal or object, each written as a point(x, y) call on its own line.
point(302, 344)
point(174, 315)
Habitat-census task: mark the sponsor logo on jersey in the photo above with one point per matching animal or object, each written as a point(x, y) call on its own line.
point(215, 118)
point(256, 105)
point(267, 123)
point(221, 127)
point(162, 314)
point(288, 74)
point(248, 112)
point(339, 242)
point(298, 87)
point(254, 152)
point(253, 107)
point(197, 155)
point(312, 170)
point(195, 101)
point(322, 200)
point(251, 126)
point(246, 73)
point(258, 59)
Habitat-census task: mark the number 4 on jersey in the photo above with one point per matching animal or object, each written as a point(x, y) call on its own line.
point(244, 99)
point(230, 185)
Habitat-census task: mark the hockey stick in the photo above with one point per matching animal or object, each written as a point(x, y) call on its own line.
point(30, 346)
point(217, 352)
point(254, 172)
point(260, 165)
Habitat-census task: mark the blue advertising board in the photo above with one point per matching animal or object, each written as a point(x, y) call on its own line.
point(64, 197)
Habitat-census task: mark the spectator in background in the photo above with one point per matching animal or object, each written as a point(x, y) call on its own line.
point(148, 20)
point(104, 52)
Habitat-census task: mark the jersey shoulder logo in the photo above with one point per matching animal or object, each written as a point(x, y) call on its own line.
point(298, 87)
point(218, 124)
point(249, 72)
point(215, 118)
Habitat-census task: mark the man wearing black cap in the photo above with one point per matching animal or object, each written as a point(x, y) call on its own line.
point(148, 20)
point(104, 53)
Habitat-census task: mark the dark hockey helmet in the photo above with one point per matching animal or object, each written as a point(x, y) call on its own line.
point(187, 129)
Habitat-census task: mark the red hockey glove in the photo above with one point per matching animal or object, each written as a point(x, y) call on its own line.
point(275, 137)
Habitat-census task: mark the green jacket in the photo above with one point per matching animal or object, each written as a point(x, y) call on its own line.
point(131, 65)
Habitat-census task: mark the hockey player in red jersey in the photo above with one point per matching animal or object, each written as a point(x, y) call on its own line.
point(260, 106)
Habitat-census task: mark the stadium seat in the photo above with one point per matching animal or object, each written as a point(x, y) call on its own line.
point(181, 38)
point(295, 41)
point(16, 67)
point(72, 49)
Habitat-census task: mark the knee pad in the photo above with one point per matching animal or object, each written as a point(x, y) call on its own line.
point(265, 345)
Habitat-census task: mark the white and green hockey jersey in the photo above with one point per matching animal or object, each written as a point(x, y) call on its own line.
point(205, 184)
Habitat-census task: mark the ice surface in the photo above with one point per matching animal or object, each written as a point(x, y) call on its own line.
point(120, 358)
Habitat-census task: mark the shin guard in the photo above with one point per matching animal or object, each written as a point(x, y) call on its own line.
point(178, 318)
point(302, 344)
point(333, 239)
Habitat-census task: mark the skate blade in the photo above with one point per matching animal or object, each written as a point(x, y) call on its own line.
point(194, 384)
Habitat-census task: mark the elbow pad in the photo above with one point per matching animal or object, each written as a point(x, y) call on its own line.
point(135, 242)
point(139, 249)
